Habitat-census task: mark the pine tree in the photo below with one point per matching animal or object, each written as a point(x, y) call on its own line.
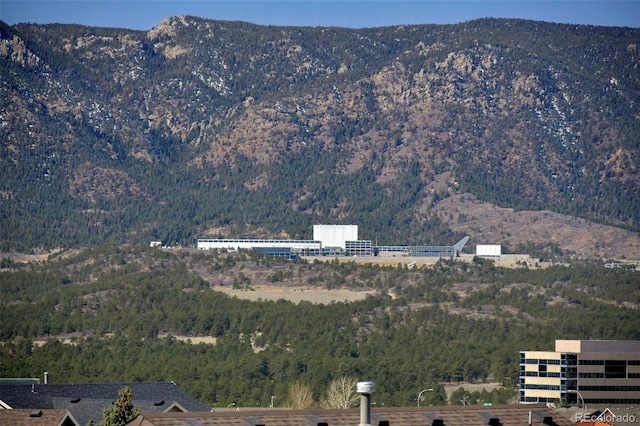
point(121, 411)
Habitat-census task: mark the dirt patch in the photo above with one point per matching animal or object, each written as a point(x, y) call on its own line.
point(380, 260)
point(296, 295)
point(488, 224)
point(29, 257)
point(505, 261)
point(40, 256)
point(471, 387)
point(189, 339)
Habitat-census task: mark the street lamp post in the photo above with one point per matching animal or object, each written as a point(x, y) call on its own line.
point(581, 399)
point(423, 391)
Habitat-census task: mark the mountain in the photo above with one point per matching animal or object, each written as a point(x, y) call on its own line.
point(209, 128)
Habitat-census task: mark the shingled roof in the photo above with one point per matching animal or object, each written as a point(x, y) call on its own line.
point(503, 415)
point(86, 401)
point(37, 418)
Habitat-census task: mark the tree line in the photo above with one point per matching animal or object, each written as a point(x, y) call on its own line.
point(450, 323)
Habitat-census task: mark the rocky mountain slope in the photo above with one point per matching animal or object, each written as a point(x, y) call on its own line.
point(205, 128)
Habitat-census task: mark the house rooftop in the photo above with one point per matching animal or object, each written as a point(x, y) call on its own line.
point(502, 415)
point(37, 417)
point(87, 400)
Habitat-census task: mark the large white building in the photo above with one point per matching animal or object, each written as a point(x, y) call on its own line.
point(248, 244)
point(330, 240)
point(335, 235)
point(325, 237)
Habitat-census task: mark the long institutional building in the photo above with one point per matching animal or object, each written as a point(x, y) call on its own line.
point(582, 371)
point(330, 240)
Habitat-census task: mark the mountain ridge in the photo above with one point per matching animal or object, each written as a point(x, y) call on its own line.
point(119, 135)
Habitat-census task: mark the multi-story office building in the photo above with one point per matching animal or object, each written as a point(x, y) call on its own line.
point(582, 371)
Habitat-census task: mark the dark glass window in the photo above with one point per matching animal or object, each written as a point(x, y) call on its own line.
point(614, 369)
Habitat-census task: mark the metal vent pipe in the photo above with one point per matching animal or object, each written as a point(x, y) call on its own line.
point(365, 389)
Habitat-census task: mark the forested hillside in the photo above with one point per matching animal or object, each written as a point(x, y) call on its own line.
point(421, 134)
point(423, 327)
point(208, 128)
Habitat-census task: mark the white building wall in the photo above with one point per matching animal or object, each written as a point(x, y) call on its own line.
point(335, 235)
point(210, 244)
point(494, 250)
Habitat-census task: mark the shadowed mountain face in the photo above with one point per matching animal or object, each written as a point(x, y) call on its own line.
point(209, 128)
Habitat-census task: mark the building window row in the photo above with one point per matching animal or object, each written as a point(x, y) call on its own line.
point(591, 362)
point(610, 388)
point(608, 362)
point(358, 248)
point(611, 401)
point(542, 361)
point(541, 374)
point(591, 375)
point(613, 369)
point(540, 400)
point(532, 386)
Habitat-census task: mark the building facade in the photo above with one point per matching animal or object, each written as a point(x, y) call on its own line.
point(335, 236)
point(330, 240)
point(297, 246)
point(489, 250)
point(582, 371)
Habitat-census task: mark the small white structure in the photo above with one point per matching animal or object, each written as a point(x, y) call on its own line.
point(155, 244)
point(489, 250)
point(335, 235)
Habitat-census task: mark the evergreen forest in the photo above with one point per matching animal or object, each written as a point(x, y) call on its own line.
point(121, 310)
